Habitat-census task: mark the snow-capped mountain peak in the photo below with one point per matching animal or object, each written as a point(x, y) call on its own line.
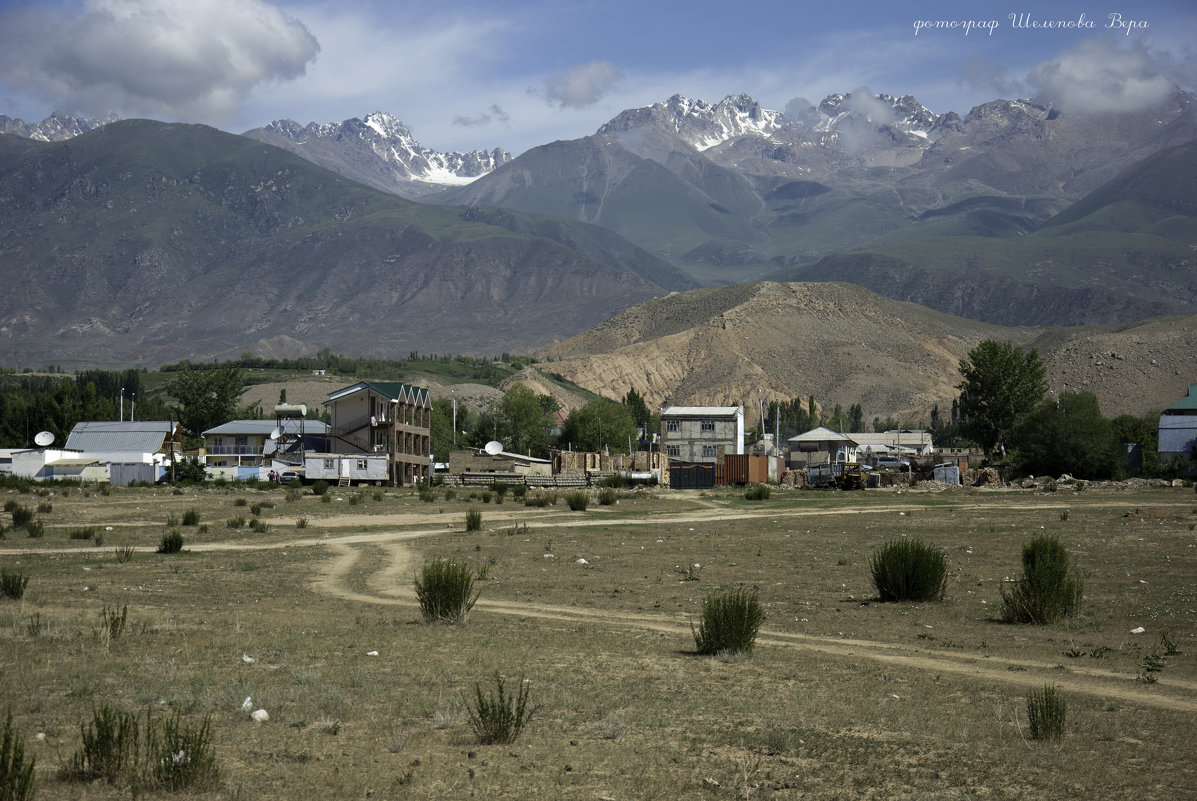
point(381, 151)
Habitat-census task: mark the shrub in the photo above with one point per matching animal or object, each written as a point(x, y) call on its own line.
point(83, 533)
point(757, 492)
point(909, 570)
point(114, 621)
point(577, 501)
point(450, 493)
point(16, 775)
point(178, 757)
point(518, 491)
point(124, 553)
point(607, 497)
point(473, 519)
point(499, 717)
point(326, 498)
point(500, 489)
point(191, 517)
point(258, 525)
point(256, 509)
point(120, 749)
point(9, 505)
point(21, 515)
point(171, 521)
point(293, 495)
point(1045, 713)
point(301, 522)
point(445, 591)
point(171, 542)
point(235, 522)
point(730, 622)
point(110, 747)
point(1049, 589)
point(45, 507)
point(12, 585)
point(426, 493)
point(319, 487)
point(35, 529)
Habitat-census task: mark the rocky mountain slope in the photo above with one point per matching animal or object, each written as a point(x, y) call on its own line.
point(145, 242)
point(846, 345)
point(733, 192)
point(55, 128)
point(381, 152)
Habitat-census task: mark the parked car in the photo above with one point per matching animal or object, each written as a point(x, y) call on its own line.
point(893, 462)
point(288, 477)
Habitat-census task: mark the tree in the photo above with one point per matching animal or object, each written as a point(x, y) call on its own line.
point(206, 398)
point(1001, 384)
point(522, 422)
point(1069, 436)
point(599, 424)
point(1143, 431)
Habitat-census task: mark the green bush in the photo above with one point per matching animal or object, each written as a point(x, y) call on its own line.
point(114, 621)
point(258, 525)
point(426, 493)
point(16, 775)
point(450, 494)
point(1045, 713)
point(1050, 587)
point(240, 502)
point(499, 717)
point(21, 515)
point(319, 487)
point(499, 488)
point(45, 508)
point(518, 491)
point(35, 529)
point(12, 585)
point(180, 758)
point(607, 497)
point(445, 591)
point(191, 517)
point(110, 748)
point(473, 519)
point(757, 492)
point(83, 533)
point(235, 522)
point(124, 553)
point(577, 501)
point(171, 542)
point(120, 749)
point(909, 570)
point(730, 622)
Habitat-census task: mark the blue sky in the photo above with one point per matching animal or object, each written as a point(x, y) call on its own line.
point(465, 75)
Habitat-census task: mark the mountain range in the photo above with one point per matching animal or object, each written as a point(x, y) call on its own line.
point(147, 242)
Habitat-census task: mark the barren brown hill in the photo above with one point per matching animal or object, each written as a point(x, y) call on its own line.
point(846, 345)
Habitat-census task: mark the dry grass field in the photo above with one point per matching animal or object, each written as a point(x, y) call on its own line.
point(843, 697)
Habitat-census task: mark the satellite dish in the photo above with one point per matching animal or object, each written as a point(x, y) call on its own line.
point(303, 410)
point(44, 439)
point(373, 420)
point(494, 447)
point(276, 433)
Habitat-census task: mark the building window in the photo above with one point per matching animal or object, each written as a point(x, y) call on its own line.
point(673, 425)
point(330, 464)
point(708, 451)
point(673, 451)
point(708, 425)
point(362, 464)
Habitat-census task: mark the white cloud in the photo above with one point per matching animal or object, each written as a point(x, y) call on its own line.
point(993, 80)
point(492, 114)
point(581, 85)
point(1099, 76)
point(178, 59)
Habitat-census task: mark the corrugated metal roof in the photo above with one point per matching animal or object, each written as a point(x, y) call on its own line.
point(139, 436)
point(392, 390)
point(1188, 403)
point(701, 411)
point(262, 427)
point(822, 434)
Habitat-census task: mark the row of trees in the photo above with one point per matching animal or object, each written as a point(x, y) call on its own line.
point(1003, 408)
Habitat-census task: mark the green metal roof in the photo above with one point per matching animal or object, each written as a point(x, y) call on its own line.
point(1187, 404)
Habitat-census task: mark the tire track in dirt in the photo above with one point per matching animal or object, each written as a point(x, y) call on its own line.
point(384, 579)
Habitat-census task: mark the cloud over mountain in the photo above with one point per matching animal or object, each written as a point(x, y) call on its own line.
point(182, 59)
point(581, 85)
point(1099, 76)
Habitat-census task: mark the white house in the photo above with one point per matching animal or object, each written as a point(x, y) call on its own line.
point(822, 445)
